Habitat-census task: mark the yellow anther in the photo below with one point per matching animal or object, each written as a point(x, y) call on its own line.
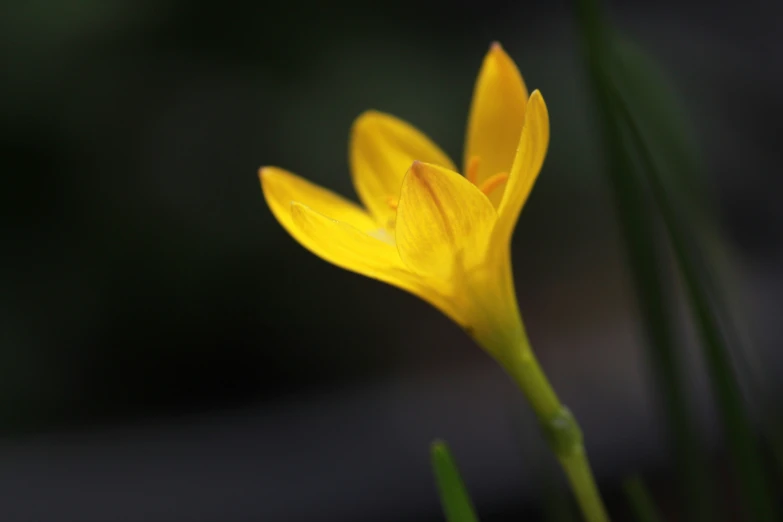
point(471, 171)
point(493, 182)
point(392, 202)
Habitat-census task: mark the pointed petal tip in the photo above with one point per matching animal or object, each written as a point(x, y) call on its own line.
point(365, 113)
point(497, 52)
point(272, 178)
point(369, 121)
point(267, 175)
point(368, 115)
point(537, 100)
point(420, 169)
point(268, 172)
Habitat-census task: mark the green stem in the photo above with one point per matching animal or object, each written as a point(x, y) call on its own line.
point(580, 476)
point(561, 430)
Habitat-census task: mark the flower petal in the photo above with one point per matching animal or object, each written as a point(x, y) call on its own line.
point(381, 150)
point(281, 188)
point(344, 246)
point(444, 222)
point(496, 116)
point(533, 145)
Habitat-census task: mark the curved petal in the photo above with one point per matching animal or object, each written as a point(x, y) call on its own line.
point(344, 246)
point(281, 188)
point(444, 223)
point(496, 115)
point(533, 145)
point(381, 150)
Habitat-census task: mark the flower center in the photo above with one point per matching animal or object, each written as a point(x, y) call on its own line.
point(471, 173)
point(489, 184)
point(487, 187)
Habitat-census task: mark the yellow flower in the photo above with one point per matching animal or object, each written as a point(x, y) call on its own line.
point(425, 228)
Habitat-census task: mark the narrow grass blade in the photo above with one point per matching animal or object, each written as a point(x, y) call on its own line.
point(641, 501)
point(743, 443)
point(645, 252)
point(454, 498)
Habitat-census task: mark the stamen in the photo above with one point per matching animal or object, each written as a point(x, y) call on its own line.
point(392, 202)
point(471, 172)
point(493, 182)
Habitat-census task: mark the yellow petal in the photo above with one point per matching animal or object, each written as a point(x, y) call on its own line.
point(344, 246)
point(496, 116)
point(381, 150)
point(533, 145)
point(493, 317)
point(444, 223)
point(281, 188)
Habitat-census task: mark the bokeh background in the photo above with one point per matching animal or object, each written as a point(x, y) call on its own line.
point(169, 354)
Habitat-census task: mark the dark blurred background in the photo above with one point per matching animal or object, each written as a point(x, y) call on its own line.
point(170, 354)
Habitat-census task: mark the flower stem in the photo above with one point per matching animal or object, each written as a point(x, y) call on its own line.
point(580, 476)
point(561, 430)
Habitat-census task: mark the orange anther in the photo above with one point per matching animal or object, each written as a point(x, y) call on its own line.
point(392, 202)
point(471, 171)
point(493, 182)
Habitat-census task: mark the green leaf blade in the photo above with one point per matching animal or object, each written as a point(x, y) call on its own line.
point(641, 501)
point(454, 498)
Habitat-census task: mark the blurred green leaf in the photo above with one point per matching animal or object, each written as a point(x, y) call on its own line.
point(642, 504)
point(660, 120)
point(624, 131)
point(646, 254)
point(662, 115)
point(454, 498)
point(702, 296)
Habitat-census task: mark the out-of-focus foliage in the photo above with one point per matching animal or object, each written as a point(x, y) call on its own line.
point(454, 498)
